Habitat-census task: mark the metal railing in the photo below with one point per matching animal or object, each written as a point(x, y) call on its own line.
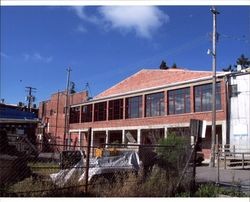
point(233, 156)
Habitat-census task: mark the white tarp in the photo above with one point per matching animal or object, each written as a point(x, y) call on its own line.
point(128, 161)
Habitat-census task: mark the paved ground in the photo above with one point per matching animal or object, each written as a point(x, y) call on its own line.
point(239, 178)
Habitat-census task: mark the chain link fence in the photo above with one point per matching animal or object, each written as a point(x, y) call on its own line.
point(114, 170)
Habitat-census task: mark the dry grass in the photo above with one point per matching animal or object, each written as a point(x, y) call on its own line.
point(158, 184)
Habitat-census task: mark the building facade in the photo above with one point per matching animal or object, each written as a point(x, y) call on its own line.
point(20, 124)
point(53, 121)
point(239, 109)
point(148, 106)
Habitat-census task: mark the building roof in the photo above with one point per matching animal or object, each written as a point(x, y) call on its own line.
point(152, 78)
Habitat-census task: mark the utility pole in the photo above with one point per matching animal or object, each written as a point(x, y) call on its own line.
point(30, 98)
point(66, 118)
point(212, 160)
point(57, 109)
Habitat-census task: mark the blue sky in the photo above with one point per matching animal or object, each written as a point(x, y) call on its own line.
point(104, 45)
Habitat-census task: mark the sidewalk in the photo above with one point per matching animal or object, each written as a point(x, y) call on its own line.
point(239, 178)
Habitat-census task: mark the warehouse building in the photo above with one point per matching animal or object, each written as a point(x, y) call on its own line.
point(148, 106)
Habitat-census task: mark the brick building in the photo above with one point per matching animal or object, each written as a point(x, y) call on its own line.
point(52, 117)
point(148, 105)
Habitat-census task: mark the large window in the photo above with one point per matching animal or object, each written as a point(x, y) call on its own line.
point(179, 101)
point(87, 113)
point(154, 104)
point(115, 109)
point(100, 111)
point(134, 107)
point(203, 97)
point(74, 116)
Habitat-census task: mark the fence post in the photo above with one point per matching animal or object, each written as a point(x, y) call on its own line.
point(194, 167)
point(87, 161)
point(243, 159)
point(218, 159)
point(225, 161)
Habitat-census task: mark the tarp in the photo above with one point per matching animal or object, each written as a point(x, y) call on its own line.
point(127, 161)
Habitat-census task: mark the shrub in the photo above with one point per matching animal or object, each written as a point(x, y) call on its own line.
point(211, 190)
point(174, 151)
point(207, 190)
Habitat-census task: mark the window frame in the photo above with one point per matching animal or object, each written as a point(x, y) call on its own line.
point(87, 115)
point(74, 115)
point(150, 103)
point(100, 111)
point(133, 103)
point(204, 103)
point(185, 95)
point(115, 109)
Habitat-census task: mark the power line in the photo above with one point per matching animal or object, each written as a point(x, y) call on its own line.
point(243, 39)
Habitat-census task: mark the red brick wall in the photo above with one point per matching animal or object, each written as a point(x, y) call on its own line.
point(167, 119)
point(54, 115)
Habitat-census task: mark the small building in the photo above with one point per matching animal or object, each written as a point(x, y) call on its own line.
point(148, 105)
point(239, 109)
point(20, 124)
point(51, 130)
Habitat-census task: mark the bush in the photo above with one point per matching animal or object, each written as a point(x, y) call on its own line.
point(174, 151)
point(207, 190)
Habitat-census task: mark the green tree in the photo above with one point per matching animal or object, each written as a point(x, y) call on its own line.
point(72, 87)
point(243, 61)
point(228, 69)
point(163, 65)
point(174, 150)
point(174, 66)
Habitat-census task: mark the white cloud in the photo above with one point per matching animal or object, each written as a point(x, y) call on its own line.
point(81, 29)
point(37, 57)
point(81, 13)
point(144, 20)
point(26, 56)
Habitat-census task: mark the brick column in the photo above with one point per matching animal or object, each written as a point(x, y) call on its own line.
point(80, 116)
point(143, 106)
